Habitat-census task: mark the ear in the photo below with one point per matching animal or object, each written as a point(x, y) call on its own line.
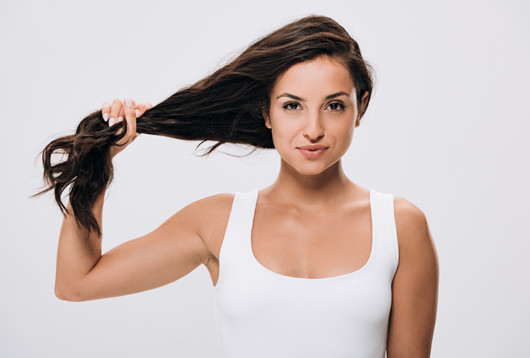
point(265, 114)
point(364, 103)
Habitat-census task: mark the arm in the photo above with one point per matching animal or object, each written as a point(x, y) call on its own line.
point(171, 251)
point(168, 253)
point(415, 286)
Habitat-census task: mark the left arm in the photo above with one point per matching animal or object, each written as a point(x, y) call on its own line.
point(415, 286)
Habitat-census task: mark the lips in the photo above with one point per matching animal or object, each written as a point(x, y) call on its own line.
point(312, 147)
point(312, 151)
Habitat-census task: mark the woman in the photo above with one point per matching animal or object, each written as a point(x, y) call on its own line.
point(313, 265)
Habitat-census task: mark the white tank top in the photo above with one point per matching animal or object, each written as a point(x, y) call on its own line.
point(261, 313)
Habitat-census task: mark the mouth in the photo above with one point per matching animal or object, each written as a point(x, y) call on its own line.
point(312, 148)
point(312, 152)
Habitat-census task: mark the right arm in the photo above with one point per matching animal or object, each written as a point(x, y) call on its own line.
point(168, 253)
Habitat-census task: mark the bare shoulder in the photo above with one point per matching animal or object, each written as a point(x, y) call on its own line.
point(210, 216)
point(417, 251)
point(411, 224)
point(213, 203)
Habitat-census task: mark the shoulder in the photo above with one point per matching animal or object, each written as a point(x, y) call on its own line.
point(417, 251)
point(211, 210)
point(408, 214)
point(411, 226)
point(209, 217)
point(214, 202)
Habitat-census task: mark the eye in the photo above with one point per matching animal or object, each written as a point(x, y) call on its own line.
point(291, 106)
point(336, 106)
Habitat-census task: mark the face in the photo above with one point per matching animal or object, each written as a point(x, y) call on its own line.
point(312, 115)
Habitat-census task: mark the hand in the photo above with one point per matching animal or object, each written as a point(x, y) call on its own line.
point(115, 113)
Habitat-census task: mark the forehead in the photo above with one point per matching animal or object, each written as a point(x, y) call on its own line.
point(322, 74)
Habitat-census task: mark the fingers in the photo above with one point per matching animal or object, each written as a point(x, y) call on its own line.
point(115, 110)
point(128, 110)
point(105, 111)
point(128, 101)
point(141, 108)
point(130, 116)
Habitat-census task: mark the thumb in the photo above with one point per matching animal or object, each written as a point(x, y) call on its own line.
point(129, 102)
point(130, 114)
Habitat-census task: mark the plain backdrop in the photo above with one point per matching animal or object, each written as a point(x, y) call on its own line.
point(447, 128)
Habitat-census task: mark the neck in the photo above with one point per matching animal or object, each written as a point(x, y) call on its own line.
point(326, 188)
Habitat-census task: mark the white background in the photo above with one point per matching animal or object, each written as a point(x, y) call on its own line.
point(448, 129)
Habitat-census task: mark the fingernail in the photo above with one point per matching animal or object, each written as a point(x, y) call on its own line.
point(128, 102)
point(137, 113)
point(105, 116)
point(111, 121)
point(120, 118)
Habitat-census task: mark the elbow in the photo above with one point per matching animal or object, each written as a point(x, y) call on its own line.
point(65, 294)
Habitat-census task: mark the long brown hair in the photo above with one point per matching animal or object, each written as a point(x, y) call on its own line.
point(226, 106)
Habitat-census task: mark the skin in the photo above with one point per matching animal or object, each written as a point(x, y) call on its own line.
point(288, 234)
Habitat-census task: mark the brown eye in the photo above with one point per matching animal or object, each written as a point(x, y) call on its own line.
point(291, 106)
point(336, 106)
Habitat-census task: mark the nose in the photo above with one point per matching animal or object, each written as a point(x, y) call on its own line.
point(313, 129)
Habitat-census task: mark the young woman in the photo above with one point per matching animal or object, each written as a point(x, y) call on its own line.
point(313, 265)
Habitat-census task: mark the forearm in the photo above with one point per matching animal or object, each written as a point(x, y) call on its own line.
point(77, 253)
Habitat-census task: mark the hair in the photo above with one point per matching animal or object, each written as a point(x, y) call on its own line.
point(226, 106)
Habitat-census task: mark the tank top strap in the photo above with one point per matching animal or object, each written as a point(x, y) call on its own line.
point(234, 258)
point(384, 234)
point(242, 215)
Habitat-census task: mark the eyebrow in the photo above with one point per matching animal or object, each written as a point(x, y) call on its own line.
point(331, 96)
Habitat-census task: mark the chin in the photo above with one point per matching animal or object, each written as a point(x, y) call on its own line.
point(310, 169)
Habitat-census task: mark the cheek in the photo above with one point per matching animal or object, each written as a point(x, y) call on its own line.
point(280, 136)
point(284, 130)
point(344, 135)
point(348, 132)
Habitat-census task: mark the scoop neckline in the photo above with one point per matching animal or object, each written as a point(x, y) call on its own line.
point(255, 194)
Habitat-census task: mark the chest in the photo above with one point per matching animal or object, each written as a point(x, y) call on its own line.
point(311, 245)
